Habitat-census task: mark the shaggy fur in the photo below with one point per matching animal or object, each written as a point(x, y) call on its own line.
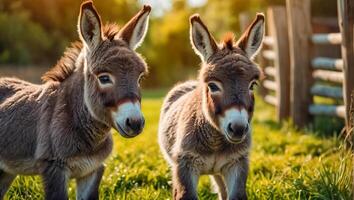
point(190, 135)
point(61, 129)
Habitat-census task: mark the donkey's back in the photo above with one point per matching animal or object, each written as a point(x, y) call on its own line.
point(19, 108)
point(170, 113)
point(9, 86)
point(177, 92)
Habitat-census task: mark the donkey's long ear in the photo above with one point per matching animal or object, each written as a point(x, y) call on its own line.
point(89, 25)
point(252, 38)
point(135, 30)
point(202, 41)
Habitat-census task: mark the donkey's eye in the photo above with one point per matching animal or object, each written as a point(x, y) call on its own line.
point(252, 84)
point(141, 77)
point(104, 79)
point(213, 87)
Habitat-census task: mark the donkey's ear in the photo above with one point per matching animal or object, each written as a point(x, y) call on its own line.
point(89, 25)
point(252, 38)
point(202, 41)
point(135, 30)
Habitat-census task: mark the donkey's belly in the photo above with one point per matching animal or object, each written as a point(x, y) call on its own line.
point(215, 163)
point(80, 167)
point(84, 165)
point(212, 164)
point(22, 167)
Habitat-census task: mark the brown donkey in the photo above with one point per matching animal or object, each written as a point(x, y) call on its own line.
point(205, 124)
point(61, 129)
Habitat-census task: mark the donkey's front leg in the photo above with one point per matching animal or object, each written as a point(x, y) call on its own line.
point(220, 186)
point(55, 180)
point(87, 187)
point(235, 178)
point(185, 179)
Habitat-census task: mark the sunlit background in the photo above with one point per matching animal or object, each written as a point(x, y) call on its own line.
point(34, 33)
point(285, 162)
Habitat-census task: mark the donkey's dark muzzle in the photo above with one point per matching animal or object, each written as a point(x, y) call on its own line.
point(237, 131)
point(135, 125)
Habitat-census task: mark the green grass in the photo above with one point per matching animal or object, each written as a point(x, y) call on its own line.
point(285, 164)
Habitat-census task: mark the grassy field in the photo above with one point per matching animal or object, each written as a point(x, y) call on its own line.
point(285, 164)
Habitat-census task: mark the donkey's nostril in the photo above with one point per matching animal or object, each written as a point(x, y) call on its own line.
point(229, 128)
point(237, 130)
point(136, 125)
point(127, 122)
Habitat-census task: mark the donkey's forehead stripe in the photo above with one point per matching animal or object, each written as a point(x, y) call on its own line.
point(234, 115)
point(230, 107)
point(127, 100)
point(128, 105)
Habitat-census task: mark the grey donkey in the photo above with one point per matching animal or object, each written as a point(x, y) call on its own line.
point(205, 124)
point(61, 129)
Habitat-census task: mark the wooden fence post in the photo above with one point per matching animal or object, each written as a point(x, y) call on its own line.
point(278, 30)
point(299, 22)
point(346, 20)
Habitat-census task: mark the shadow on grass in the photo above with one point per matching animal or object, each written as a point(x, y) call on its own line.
point(327, 126)
point(272, 124)
point(321, 126)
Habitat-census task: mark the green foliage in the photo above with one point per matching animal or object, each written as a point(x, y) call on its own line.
point(37, 31)
point(21, 40)
point(168, 49)
point(285, 164)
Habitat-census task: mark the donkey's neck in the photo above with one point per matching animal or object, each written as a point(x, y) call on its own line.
point(208, 135)
point(210, 138)
point(90, 130)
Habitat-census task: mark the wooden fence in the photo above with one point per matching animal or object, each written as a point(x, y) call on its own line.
point(295, 75)
point(275, 59)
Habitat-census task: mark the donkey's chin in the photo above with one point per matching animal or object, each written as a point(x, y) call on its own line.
point(123, 132)
point(235, 140)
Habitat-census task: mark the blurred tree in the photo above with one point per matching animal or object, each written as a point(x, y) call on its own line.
point(37, 31)
point(22, 41)
point(168, 49)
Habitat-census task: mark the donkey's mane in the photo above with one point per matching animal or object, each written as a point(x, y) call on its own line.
point(228, 40)
point(66, 64)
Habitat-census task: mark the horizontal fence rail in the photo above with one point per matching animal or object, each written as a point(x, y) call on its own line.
point(269, 54)
point(271, 100)
point(331, 76)
point(270, 85)
point(327, 91)
point(330, 38)
point(327, 63)
point(329, 110)
point(268, 40)
point(270, 71)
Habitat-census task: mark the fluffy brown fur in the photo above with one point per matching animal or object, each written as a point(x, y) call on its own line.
point(228, 40)
point(66, 64)
point(61, 129)
point(192, 135)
